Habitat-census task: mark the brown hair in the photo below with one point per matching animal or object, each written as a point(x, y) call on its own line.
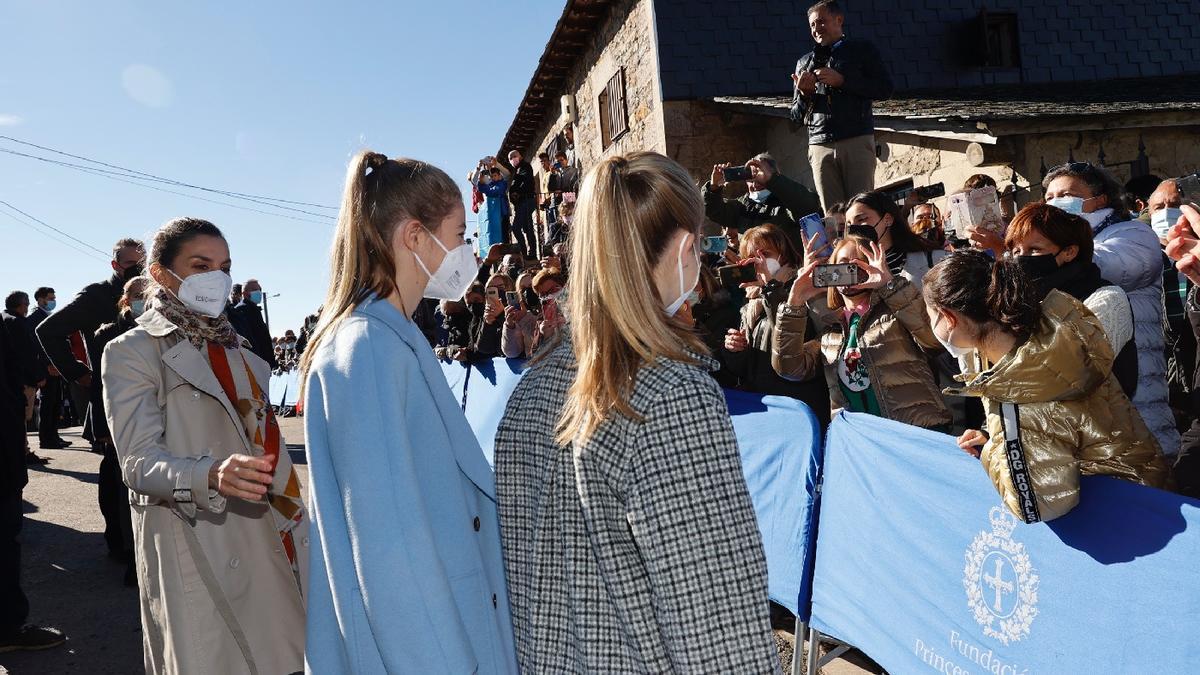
point(987, 292)
point(773, 236)
point(1062, 228)
point(549, 274)
point(380, 193)
point(630, 207)
point(979, 180)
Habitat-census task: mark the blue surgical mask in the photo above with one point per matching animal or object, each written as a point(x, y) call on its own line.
point(137, 307)
point(256, 297)
point(1072, 205)
point(760, 196)
point(52, 304)
point(1163, 219)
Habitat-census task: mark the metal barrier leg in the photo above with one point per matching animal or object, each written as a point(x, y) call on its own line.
point(814, 642)
point(798, 651)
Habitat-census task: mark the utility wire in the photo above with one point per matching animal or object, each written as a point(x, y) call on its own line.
point(132, 177)
point(53, 238)
point(228, 193)
point(107, 174)
point(48, 225)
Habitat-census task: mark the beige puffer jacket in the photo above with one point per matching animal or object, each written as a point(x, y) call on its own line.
point(894, 336)
point(1065, 415)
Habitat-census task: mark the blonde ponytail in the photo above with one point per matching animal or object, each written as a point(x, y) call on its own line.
point(629, 209)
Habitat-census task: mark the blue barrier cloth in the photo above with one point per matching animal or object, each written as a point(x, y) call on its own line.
point(277, 389)
point(456, 376)
point(919, 565)
point(284, 388)
point(781, 459)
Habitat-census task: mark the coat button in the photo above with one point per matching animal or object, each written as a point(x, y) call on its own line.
point(233, 563)
point(304, 541)
point(493, 599)
point(476, 523)
point(196, 395)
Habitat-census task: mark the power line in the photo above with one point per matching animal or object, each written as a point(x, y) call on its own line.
point(102, 174)
point(53, 238)
point(132, 177)
point(48, 225)
point(228, 193)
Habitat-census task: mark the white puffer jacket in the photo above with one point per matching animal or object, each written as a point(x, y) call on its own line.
point(1129, 255)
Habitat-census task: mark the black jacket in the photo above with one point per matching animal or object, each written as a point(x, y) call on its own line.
point(106, 334)
point(837, 114)
point(247, 320)
point(23, 349)
point(13, 473)
point(95, 306)
point(522, 185)
point(36, 316)
point(1187, 467)
point(789, 202)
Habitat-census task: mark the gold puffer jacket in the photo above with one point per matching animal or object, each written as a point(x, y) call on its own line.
point(894, 334)
point(1070, 416)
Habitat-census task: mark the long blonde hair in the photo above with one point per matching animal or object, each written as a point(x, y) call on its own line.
point(629, 209)
point(380, 193)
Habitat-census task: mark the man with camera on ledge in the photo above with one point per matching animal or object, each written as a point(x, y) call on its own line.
point(770, 196)
point(834, 86)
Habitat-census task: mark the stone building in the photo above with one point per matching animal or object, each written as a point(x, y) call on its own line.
point(1007, 87)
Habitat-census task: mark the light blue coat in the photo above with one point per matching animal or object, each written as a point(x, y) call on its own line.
point(407, 575)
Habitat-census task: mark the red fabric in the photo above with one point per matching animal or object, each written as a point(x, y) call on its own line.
point(78, 349)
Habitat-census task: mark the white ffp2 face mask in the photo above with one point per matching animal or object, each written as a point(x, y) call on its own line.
point(685, 289)
point(454, 276)
point(954, 350)
point(205, 293)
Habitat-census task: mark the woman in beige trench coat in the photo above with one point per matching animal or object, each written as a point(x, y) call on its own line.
point(219, 527)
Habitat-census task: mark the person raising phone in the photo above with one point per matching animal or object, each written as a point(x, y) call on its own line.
point(630, 540)
point(874, 354)
point(747, 353)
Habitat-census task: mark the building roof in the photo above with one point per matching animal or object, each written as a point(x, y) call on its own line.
point(572, 35)
point(949, 108)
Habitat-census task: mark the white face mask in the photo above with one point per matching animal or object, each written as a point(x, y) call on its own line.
point(685, 289)
point(204, 293)
point(760, 196)
point(954, 350)
point(773, 266)
point(1097, 218)
point(1162, 220)
point(454, 276)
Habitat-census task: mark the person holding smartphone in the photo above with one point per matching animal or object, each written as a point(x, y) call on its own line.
point(875, 351)
point(770, 197)
point(488, 339)
point(630, 541)
point(406, 567)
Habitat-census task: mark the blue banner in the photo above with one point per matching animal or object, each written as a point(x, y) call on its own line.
point(919, 565)
point(284, 388)
point(489, 221)
point(779, 441)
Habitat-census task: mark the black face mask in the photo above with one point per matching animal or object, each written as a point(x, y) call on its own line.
point(131, 272)
point(865, 231)
point(513, 272)
point(532, 302)
point(1037, 266)
point(476, 308)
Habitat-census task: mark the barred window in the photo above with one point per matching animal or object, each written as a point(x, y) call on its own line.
point(614, 114)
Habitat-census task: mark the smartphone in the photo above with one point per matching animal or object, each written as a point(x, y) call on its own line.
point(717, 244)
point(493, 293)
point(732, 276)
point(928, 192)
point(532, 302)
point(841, 274)
point(511, 299)
point(510, 249)
point(1189, 188)
point(734, 174)
point(814, 225)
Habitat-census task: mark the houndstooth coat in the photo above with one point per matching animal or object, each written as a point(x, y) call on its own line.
point(636, 551)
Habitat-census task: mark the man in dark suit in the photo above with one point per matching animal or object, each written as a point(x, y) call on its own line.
point(93, 307)
point(522, 193)
point(14, 606)
point(16, 326)
point(50, 409)
point(247, 320)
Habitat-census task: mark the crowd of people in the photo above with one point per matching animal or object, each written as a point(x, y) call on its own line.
point(615, 532)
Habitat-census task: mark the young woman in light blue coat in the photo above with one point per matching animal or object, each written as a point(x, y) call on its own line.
point(406, 569)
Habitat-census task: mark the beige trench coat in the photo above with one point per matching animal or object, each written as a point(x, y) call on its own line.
point(218, 594)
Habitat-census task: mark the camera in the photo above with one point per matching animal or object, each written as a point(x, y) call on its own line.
point(734, 174)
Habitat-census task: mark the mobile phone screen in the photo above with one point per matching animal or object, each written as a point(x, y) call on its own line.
point(814, 224)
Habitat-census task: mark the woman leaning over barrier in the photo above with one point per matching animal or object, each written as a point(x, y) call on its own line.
point(407, 573)
point(629, 537)
point(1054, 409)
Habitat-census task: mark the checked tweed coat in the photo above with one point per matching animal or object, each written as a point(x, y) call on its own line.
point(637, 551)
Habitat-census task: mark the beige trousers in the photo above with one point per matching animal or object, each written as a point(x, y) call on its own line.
point(843, 168)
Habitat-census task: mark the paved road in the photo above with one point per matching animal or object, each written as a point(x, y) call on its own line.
point(72, 584)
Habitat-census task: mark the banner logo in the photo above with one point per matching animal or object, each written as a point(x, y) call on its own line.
point(1000, 581)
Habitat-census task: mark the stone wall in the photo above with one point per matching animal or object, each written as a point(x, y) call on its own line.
point(626, 40)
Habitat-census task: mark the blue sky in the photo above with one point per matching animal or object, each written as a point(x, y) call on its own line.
point(268, 98)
